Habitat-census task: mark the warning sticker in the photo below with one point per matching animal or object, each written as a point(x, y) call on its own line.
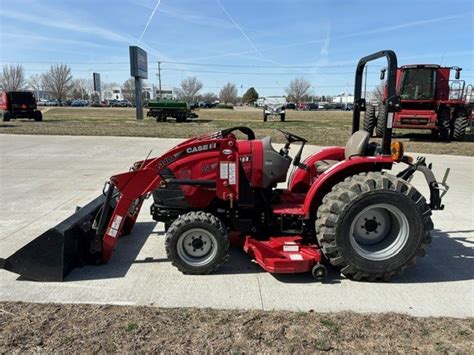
point(296, 257)
point(390, 120)
point(232, 175)
point(116, 222)
point(290, 247)
point(224, 170)
point(112, 232)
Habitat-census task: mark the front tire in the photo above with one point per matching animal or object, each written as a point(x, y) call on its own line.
point(38, 116)
point(6, 116)
point(197, 243)
point(460, 124)
point(444, 118)
point(373, 226)
point(370, 119)
point(282, 117)
point(380, 121)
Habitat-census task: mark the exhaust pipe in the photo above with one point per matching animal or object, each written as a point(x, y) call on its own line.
point(73, 242)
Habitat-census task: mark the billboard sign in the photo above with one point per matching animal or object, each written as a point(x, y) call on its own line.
point(138, 63)
point(96, 78)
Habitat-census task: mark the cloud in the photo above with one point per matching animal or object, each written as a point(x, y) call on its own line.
point(37, 38)
point(239, 28)
point(62, 22)
point(149, 19)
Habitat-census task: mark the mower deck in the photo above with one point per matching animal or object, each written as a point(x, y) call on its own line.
point(284, 255)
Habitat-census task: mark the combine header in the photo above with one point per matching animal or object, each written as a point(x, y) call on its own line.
point(341, 205)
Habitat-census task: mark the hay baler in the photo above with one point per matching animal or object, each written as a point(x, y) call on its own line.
point(340, 206)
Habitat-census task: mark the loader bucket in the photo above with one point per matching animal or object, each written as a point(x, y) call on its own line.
point(52, 255)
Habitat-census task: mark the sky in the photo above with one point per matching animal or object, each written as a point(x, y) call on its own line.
point(259, 43)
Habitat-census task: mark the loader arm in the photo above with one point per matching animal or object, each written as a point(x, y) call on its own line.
point(145, 176)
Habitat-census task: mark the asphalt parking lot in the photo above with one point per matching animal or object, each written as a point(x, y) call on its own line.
point(44, 178)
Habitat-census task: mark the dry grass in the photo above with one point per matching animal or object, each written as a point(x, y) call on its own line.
point(319, 127)
point(46, 328)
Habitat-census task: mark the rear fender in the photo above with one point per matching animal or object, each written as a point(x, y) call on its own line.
point(337, 173)
point(301, 179)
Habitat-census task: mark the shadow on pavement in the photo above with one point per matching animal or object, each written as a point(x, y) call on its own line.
point(125, 254)
point(449, 258)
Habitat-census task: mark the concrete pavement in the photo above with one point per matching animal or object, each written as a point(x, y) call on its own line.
point(43, 179)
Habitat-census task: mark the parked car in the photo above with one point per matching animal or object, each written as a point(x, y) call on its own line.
point(323, 105)
point(79, 103)
point(52, 103)
point(337, 106)
point(311, 106)
point(290, 106)
point(112, 103)
point(41, 102)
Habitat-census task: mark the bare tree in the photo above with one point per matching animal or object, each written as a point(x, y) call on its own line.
point(209, 97)
point(35, 82)
point(58, 81)
point(377, 94)
point(80, 89)
point(228, 93)
point(12, 78)
point(298, 88)
point(128, 90)
point(189, 88)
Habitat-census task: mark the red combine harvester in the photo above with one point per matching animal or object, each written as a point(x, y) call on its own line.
point(340, 206)
point(429, 100)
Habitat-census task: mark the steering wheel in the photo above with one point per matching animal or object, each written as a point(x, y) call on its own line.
point(245, 130)
point(291, 138)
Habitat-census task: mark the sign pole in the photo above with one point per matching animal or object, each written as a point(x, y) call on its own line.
point(138, 70)
point(138, 98)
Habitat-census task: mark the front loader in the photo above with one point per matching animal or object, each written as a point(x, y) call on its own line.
point(342, 206)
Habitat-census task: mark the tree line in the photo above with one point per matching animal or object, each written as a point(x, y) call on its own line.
point(60, 84)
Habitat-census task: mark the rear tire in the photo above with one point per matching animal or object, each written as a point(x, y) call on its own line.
point(444, 118)
point(380, 121)
point(197, 243)
point(6, 116)
point(370, 119)
point(38, 116)
point(373, 226)
point(282, 117)
point(460, 124)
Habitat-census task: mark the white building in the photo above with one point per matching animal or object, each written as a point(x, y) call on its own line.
point(164, 94)
point(343, 99)
point(114, 93)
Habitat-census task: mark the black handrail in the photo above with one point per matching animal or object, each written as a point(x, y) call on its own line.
point(393, 102)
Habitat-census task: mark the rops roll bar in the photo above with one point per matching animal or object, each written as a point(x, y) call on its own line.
point(393, 101)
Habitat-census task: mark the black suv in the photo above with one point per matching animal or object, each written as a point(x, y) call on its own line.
point(18, 104)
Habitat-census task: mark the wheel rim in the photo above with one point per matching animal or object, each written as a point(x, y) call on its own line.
point(379, 232)
point(197, 247)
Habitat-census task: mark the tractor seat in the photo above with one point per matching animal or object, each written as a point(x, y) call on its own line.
point(355, 147)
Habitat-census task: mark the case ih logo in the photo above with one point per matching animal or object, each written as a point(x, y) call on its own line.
point(201, 148)
point(166, 161)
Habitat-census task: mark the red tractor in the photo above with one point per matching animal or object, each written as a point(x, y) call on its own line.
point(429, 100)
point(341, 206)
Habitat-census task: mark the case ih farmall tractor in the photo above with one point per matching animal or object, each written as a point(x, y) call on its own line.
point(429, 100)
point(342, 206)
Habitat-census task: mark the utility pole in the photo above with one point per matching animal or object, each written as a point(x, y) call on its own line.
point(159, 77)
point(365, 83)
